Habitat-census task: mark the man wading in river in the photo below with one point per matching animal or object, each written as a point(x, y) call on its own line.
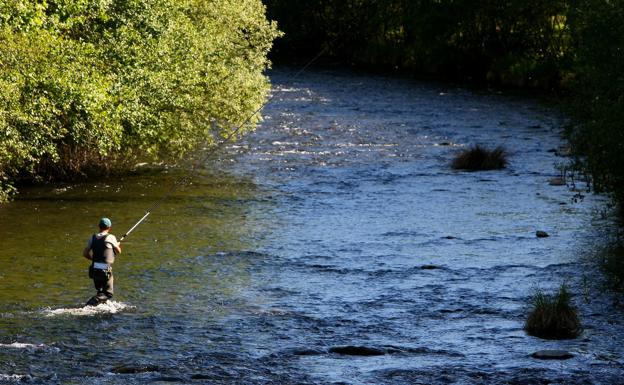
point(101, 251)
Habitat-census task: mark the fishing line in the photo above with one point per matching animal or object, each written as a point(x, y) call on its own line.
point(183, 181)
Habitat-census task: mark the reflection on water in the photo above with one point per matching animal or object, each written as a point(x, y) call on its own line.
point(335, 245)
point(45, 230)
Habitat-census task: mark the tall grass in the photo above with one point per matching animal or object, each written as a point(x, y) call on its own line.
point(553, 316)
point(479, 158)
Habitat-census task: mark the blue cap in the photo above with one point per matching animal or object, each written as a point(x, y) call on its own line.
point(105, 223)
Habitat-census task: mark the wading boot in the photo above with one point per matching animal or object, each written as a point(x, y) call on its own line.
point(97, 299)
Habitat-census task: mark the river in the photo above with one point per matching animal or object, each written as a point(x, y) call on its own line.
point(339, 223)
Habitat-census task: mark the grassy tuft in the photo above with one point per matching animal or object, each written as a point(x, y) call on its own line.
point(479, 158)
point(553, 316)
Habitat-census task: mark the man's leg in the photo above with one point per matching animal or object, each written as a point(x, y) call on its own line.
point(95, 300)
point(108, 286)
point(100, 281)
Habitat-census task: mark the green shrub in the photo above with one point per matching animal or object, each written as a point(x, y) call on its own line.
point(598, 137)
point(613, 266)
point(479, 158)
point(90, 85)
point(553, 316)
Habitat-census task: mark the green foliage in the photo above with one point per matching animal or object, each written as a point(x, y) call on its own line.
point(553, 316)
point(88, 85)
point(520, 42)
point(613, 266)
point(597, 28)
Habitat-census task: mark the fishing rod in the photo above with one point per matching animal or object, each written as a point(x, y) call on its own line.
point(181, 181)
point(135, 226)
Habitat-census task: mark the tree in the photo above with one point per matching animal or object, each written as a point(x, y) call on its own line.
point(597, 30)
point(86, 85)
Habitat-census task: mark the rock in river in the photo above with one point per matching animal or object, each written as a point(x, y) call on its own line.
point(552, 355)
point(134, 369)
point(541, 234)
point(557, 182)
point(357, 351)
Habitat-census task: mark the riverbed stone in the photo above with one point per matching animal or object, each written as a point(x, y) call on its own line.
point(541, 234)
point(168, 379)
point(350, 350)
point(552, 355)
point(127, 369)
point(557, 182)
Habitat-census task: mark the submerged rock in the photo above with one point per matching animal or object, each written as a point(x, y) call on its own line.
point(168, 379)
point(200, 376)
point(552, 355)
point(135, 369)
point(557, 182)
point(307, 352)
point(541, 234)
point(357, 351)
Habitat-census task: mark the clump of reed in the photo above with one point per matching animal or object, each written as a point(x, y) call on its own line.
point(553, 316)
point(478, 158)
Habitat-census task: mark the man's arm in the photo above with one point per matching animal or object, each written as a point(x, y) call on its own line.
point(114, 243)
point(87, 253)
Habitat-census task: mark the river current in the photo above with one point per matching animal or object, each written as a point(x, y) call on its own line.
point(335, 245)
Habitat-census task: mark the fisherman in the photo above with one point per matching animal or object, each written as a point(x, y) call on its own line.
point(101, 251)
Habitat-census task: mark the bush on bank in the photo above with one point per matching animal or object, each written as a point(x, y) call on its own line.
point(597, 31)
point(91, 85)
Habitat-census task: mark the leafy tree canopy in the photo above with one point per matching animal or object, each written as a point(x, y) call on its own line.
point(91, 84)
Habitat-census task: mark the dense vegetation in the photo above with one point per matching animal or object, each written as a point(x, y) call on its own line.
point(90, 85)
point(575, 46)
point(515, 41)
point(597, 50)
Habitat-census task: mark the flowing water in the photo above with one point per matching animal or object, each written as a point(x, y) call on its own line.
point(333, 246)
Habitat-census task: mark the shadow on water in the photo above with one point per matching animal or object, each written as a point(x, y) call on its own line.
point(334, 245)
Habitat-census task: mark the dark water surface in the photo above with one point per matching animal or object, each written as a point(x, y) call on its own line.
point(339, 223)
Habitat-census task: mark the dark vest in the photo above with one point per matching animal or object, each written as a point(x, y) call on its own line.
point(101, 253)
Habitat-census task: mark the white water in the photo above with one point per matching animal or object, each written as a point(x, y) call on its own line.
point(110, 307)
point(12, 377)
